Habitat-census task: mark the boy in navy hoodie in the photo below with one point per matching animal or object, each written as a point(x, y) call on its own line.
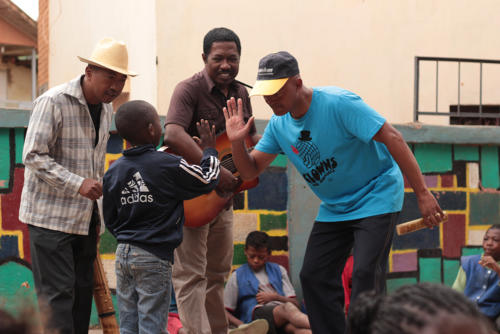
point(143, 195)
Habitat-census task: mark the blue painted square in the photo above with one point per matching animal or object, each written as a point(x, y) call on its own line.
point(272, 191)
point(9, 246)
point(425, 238)
point(115, 144)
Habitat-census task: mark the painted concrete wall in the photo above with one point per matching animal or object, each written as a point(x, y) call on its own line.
point(465, 178)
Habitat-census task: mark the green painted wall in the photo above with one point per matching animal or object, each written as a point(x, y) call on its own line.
point(450, 270)
point(19, 143)
point(433, 158)
point(17, 289)
point(468, 153)
point(484, 208)
point(394, 283)
point(430, 269)
point(5, 158)
point(490, 177)
point(272, 222)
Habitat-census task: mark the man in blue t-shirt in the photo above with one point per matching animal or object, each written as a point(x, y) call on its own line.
point(349, 156)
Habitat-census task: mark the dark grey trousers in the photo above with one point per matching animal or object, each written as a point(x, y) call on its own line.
point(63, 268)
point(327, 250)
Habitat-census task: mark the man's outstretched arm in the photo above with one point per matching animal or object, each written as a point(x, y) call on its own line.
point(250, 164)
point(429, 207)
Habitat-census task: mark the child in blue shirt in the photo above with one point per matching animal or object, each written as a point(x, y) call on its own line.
point(143, 195)
point(479, 275)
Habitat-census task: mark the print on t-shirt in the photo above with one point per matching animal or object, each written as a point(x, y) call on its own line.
point(310, 155)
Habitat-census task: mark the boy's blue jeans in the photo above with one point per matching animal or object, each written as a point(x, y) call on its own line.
point(143, 286)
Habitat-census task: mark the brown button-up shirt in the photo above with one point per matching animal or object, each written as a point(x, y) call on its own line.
point(198, 98)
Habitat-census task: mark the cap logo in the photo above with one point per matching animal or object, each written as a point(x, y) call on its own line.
point(266, 71)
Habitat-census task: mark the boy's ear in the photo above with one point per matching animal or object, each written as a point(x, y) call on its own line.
point(151, 129)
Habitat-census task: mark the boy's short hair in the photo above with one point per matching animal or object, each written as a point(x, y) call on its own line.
point(132, 119)
point(409, 309)
point(494, 227)
point(257, 240)
point(220, 35)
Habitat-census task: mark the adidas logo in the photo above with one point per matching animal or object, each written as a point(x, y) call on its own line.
point(134, 191)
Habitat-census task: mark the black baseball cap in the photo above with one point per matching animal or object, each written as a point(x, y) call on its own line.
point(274, 71)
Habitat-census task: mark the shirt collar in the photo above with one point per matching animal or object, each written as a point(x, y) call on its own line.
point(136, 150)
point(211, 84)
point(74, 88)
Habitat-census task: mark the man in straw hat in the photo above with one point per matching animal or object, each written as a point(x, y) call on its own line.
point(349, 156)
point(64, 154)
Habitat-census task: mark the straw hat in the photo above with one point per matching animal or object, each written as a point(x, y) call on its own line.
point(110, 54)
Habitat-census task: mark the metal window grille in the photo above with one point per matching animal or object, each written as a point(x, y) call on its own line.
point(459, 110)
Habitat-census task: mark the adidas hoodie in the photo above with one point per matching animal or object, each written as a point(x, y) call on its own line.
point(143, 195)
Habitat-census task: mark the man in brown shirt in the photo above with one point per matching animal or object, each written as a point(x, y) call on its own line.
point(203, 260)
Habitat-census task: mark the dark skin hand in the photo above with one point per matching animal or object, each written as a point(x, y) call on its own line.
point(490, 263)
point(90, 188)
point(266, 297)
point(207, 134)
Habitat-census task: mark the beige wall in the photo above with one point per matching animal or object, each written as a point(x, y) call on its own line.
point(76, 26)
point(366, 46)
point(18, 84)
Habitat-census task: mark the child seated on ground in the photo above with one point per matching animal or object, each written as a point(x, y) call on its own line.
point(262, 290)
point(143, 195)
point(422, 308)
point(479, 275)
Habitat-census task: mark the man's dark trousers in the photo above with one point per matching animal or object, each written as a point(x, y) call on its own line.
point(327, 250)
point(63, 268)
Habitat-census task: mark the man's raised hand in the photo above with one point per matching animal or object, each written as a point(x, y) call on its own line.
point(236, 129)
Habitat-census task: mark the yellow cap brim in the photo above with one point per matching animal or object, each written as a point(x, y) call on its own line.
point(267, 87)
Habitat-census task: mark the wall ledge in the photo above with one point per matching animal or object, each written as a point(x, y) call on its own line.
point(449, 134)
point(418, 133)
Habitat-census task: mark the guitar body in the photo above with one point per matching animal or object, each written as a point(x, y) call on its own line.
point(203, 209)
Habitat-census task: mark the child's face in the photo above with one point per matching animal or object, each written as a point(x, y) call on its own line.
point(256, 258)
point(491, 243)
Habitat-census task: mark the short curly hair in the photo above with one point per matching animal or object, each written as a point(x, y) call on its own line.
point(220, 35)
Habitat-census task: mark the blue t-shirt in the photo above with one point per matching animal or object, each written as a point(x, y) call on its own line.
point(332, 147)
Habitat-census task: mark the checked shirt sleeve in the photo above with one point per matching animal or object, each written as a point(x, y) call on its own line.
point(196, 180)
point(41, 136)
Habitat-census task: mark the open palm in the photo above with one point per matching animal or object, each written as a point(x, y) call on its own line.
point(236, 129)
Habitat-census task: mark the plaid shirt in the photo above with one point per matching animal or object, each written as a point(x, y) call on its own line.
point(59, 154)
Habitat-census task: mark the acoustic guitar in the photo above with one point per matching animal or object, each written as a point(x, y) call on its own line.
point(203, 209)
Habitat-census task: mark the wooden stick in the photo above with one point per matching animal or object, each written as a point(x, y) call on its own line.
point(415, 225)
point(102, 298)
